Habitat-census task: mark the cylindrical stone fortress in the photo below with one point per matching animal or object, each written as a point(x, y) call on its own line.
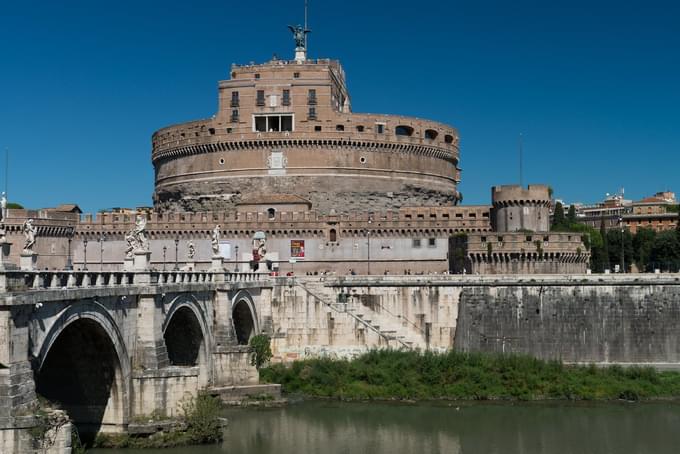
point(286, 127)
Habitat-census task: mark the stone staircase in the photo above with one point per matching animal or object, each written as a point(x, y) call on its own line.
point(393, 329)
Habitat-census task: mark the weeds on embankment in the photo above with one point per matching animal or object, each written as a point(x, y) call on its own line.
point(200, 416)
point(390, 374)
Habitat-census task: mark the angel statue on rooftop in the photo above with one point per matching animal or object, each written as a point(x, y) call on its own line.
point(300, 35)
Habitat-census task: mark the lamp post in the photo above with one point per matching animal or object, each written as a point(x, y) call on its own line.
point(176, 257)
point(236, 258)
point(102, 237)
point(85, 254)
point(165, 250)
point(368, 235)
point(623, 249)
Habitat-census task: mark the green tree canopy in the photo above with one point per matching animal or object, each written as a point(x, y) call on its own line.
point(642, 244)
point(559, 222)
point(619, 242)
point(665, 251)
point(571, 215)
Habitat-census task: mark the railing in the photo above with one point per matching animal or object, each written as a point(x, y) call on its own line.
point(20, 280)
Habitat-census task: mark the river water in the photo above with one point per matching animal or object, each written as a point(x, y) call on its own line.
point(460, 428)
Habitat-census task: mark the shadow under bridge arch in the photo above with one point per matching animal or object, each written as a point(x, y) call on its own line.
point(244, 317)
point(186, 335)
point(83, 367)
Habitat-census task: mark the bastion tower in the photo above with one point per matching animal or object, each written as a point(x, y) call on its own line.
point(286, 130)
point(520, 209)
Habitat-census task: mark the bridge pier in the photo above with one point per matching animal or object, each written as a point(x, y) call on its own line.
point(232, 362)
point(17, 390)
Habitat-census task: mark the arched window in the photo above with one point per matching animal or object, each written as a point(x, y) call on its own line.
point(333, 236)
point(431, 134)
point(271, 213)
point(448, 138)
point(402, 130)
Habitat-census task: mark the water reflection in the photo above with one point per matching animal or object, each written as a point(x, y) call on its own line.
point(337, 428)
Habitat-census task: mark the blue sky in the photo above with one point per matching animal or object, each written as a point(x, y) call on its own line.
point(594, 87)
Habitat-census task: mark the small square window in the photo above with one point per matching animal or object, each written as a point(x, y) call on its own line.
point(500, 239)
point(483, 239)
point(296, 75)
point(257, 76)
point(379, 128)
point(416, 242)
point(459, 215)
point(432, 242)
point(546, 239)
point(317, 128)
point(421, 216)
point(408, 216)
point(529, 238)
point(360, 128)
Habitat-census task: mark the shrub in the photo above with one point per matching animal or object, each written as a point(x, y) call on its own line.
point(261, 345)
point(390, 374)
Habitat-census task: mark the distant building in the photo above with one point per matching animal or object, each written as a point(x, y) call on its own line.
point(609, 211)
point(658, 212)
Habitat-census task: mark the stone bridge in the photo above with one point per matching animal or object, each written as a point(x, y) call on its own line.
point(114, 347)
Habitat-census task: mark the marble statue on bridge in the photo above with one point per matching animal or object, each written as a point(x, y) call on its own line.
point(216, 240)
point(30, 232)
point(136, 238)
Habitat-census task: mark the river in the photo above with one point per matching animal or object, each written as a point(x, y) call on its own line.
point(460, 428)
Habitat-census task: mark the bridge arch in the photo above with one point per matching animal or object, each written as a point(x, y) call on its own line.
point(83, 365)
point(244, 317)
point(187, 337)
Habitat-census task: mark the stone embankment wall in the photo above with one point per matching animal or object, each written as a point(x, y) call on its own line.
point(629, 323)
point(586, 318)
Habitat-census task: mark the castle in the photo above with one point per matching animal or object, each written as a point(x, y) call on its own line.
point(327, 189)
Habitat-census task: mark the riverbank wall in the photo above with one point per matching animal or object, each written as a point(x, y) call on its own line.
point(622, 319)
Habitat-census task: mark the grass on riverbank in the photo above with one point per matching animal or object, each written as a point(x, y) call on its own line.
point(389, 374)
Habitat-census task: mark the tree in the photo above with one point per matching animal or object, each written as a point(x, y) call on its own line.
point(665, 251)
point(571, 215)
point(559, 222)
point(614, 239)
point(14, 206)
point(642, 244)
point(605, 246)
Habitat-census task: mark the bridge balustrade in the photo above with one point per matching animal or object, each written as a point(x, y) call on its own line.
point(21, 280)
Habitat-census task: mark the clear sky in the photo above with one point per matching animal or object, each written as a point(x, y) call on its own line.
point(593, 86)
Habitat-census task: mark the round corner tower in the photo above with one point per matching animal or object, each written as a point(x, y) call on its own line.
point(516, 208)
